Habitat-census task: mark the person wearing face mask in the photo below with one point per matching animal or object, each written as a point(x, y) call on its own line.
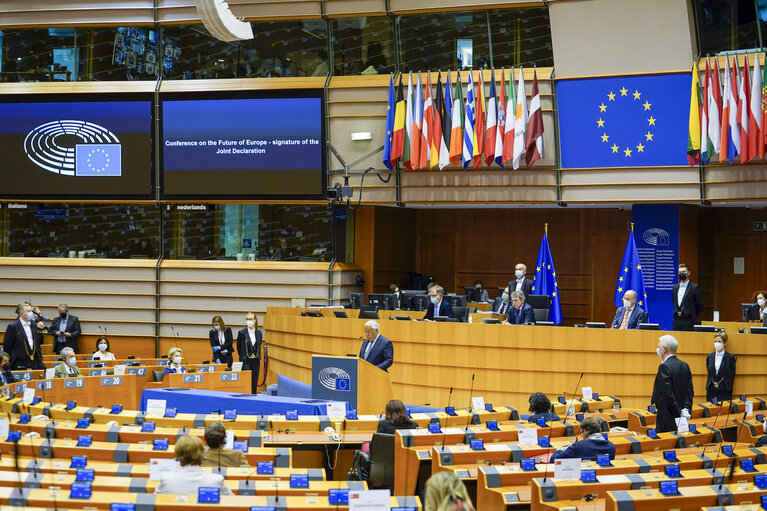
point(672, 391)
point(68, 368)
point(221, 341)
point(757, 312)
point(521, 283)
point(249, 349)
point(630, 315)
point(720, 366)
point(502, 304)
point(688, 300)
point(6, 376)
point(102, 349)
point(65, 330)
point(483, 296)
point(22, 340)
point(174, 365)
point(438, 306)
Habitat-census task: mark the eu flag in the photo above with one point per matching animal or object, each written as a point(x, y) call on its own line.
point(98, 160)
point(545, 280)
point(630, 276)
point(390, 109)
point(624, 121)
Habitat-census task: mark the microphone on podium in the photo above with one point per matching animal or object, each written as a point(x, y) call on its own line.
point(352, 344)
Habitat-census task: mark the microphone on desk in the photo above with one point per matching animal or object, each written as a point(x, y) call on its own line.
point(48, 435)
point(247, 479)
point(471, 392)
point(444, 433)
point(572, 404)
point(352, 344)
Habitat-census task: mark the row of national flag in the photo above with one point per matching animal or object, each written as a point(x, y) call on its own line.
point(728, 120)
point(428, 131)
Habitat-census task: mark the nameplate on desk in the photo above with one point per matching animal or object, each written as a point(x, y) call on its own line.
point(138, 371)
point(111, 380)
point(98, 372)
point(85, 475)
point(19, 388)
point(46, 384)
point(230, 376)
point(73, 383)
point(96, 364)
point(299, 480)
point(192, 378)
point(25, 375)
point(206, 369)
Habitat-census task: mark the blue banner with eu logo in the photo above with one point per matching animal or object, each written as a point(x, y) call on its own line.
point(624, 121)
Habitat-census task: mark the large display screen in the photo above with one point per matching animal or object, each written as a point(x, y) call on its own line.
point(76, 146)
point(249, 144)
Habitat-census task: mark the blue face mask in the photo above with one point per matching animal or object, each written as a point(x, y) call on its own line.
point(505, 297)
point(434, 300)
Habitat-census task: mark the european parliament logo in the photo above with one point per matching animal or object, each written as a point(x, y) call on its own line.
point(624, 121)
point(96, 152)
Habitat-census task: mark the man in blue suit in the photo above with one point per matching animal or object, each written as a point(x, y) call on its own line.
point(592, 445)
point(630, 315)
point(438, 306)
point(377, 349)
point(520, 312)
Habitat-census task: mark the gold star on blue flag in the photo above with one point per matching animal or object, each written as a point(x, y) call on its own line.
point(389, 125)
point(630, 276)
point(546, 280)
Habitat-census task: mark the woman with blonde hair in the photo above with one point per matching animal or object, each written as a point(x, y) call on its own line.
point(446, 492)
point(174, 361)
point(189, 477)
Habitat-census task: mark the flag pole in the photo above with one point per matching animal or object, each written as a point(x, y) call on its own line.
point(546, 229)
point(632, 226)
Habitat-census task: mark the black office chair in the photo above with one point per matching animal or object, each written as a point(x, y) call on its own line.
point(541, 315)
point(157, 375)
point(382, 461)
point(539, 301)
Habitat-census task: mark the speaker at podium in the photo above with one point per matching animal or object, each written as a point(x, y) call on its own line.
point(364, 386)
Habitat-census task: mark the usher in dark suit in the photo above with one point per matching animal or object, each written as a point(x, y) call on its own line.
point(225, 358)
point(671, 392)
point(15, 344)
point(692, 304)
point(73, 327)
point(381, 354)
point(719, 384)
point(250, 355)
point(527, 286)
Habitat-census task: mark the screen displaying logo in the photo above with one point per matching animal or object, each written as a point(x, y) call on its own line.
point(74, 148)
point(332, 378)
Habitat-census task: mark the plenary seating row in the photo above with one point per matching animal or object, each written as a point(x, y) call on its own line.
point(645, 419)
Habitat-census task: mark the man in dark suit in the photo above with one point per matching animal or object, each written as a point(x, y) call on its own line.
point(22, 340)
point(502, 304)
point(249, 348)
point(65, 330)
point(437, 307)
point(688, 300)
point(6, 376)
point(592, 444)
point(377, 349)
point(521, 312)
point(521, 283)
point(672, 392)
point(630, 315)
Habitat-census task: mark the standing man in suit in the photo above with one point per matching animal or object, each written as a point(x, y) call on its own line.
point(22, 340)
point(672, 392)
point(630, 315)
point(502, 304)
point(521, 312)
point(377, 349)
point(720, 366)
point(521, 283)
point(65, 330)
point(437, 307)
point(249, 348)
point(688, 300)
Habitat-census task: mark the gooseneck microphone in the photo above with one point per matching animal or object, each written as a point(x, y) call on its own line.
point(572, 405)
point(350, 346)
point(444, 433)
point(471, 393)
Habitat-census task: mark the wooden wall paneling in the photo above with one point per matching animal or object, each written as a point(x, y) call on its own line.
point(395, 240)
point(604, 274)
point(364, 244)
point(438, 257)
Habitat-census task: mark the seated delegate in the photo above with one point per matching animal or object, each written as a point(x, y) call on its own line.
point(102, 350)
point(174, 361)
point(756, 312)
point(540, 408)
point(396, 418)
point(6, 376)
point(189, 477)
point(591, 445)
point(630, 314)
point(502, 304)
point(438, 306)
point(521, 312)
point(483, 296)
point(217, 455)
point(68, 368)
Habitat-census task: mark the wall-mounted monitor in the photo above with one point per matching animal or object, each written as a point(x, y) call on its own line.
point(243, 145)
point(76, 146)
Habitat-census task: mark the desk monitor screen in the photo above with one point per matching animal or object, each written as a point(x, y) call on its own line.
point(669, 488)
point(747, 465)
point(589, 476)
point(78, 462)
point(120, 506)
point(727, 450)
point(649, 326)
point(85, 475)
point(491, 321)
point(384, 301)
point(299, 480)
point(603, 460)
point(208, 495)
point(402, 318)
point(230, 415)
point(527, 464)
point(704, 328)
point(116, 409)
point(71, 405)
point(473, 294)
point(340, 314)
point(745, 309)
point(669, 455)
point(265, 467)
point(160, 444)
point(673, 470)
point(356, 300)
point(477, 444)
point(148, 427)
point(240, 445)
point(456, 300)
point(338, 496)
point(434, 427)
point(760, 481)
point(759, 329)
point(84, 440)
point(652, 433)
point(170, 412)
point(368, 314)
point(24, 418)
point(493, 425)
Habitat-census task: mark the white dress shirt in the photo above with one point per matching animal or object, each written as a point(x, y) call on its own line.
point(682, 291)
point(188, 479)
point(252, 335)
point(518, 287)
point(718, 356)
point(28, 330)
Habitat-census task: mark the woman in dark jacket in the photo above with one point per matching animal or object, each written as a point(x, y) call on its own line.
point(721, 370)
point(221, 341)
point(396, 418)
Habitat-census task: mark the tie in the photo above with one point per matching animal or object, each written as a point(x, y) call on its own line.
point(367, 350)
point(625, 321)
point(503, 308)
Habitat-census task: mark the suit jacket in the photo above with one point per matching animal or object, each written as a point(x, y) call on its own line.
point(726, 371)
point(227, 346)
point(172, 370)
point(224, 458)
point(62, 372)
point(672, 392)
point(382, 353)
point(385, 426)
point(9, 378)
point(445, 309)
point(496, 307)
point(73, 327)
point(527, 286)
point(587, 449)
point(692, 305)
point(187, 480)
point(525, 314)
point(245, 349)
point(637, 316)
point(15, 344)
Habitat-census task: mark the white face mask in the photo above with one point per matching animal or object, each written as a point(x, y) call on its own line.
point(30, 316)
point(434, 300)
point(102, 347)
point(250, 323)
point(72, 361)
point(761, 302)
point(216, 327)
point(519, 274)
point(718, 346)
point(626, 303)
point(176, 360)
point(659, 352)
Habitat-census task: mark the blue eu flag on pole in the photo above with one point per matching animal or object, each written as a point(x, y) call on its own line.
point(545, 280)
point(389, 125)
point(630, 276)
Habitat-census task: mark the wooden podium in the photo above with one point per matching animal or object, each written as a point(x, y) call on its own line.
point(364, 386)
